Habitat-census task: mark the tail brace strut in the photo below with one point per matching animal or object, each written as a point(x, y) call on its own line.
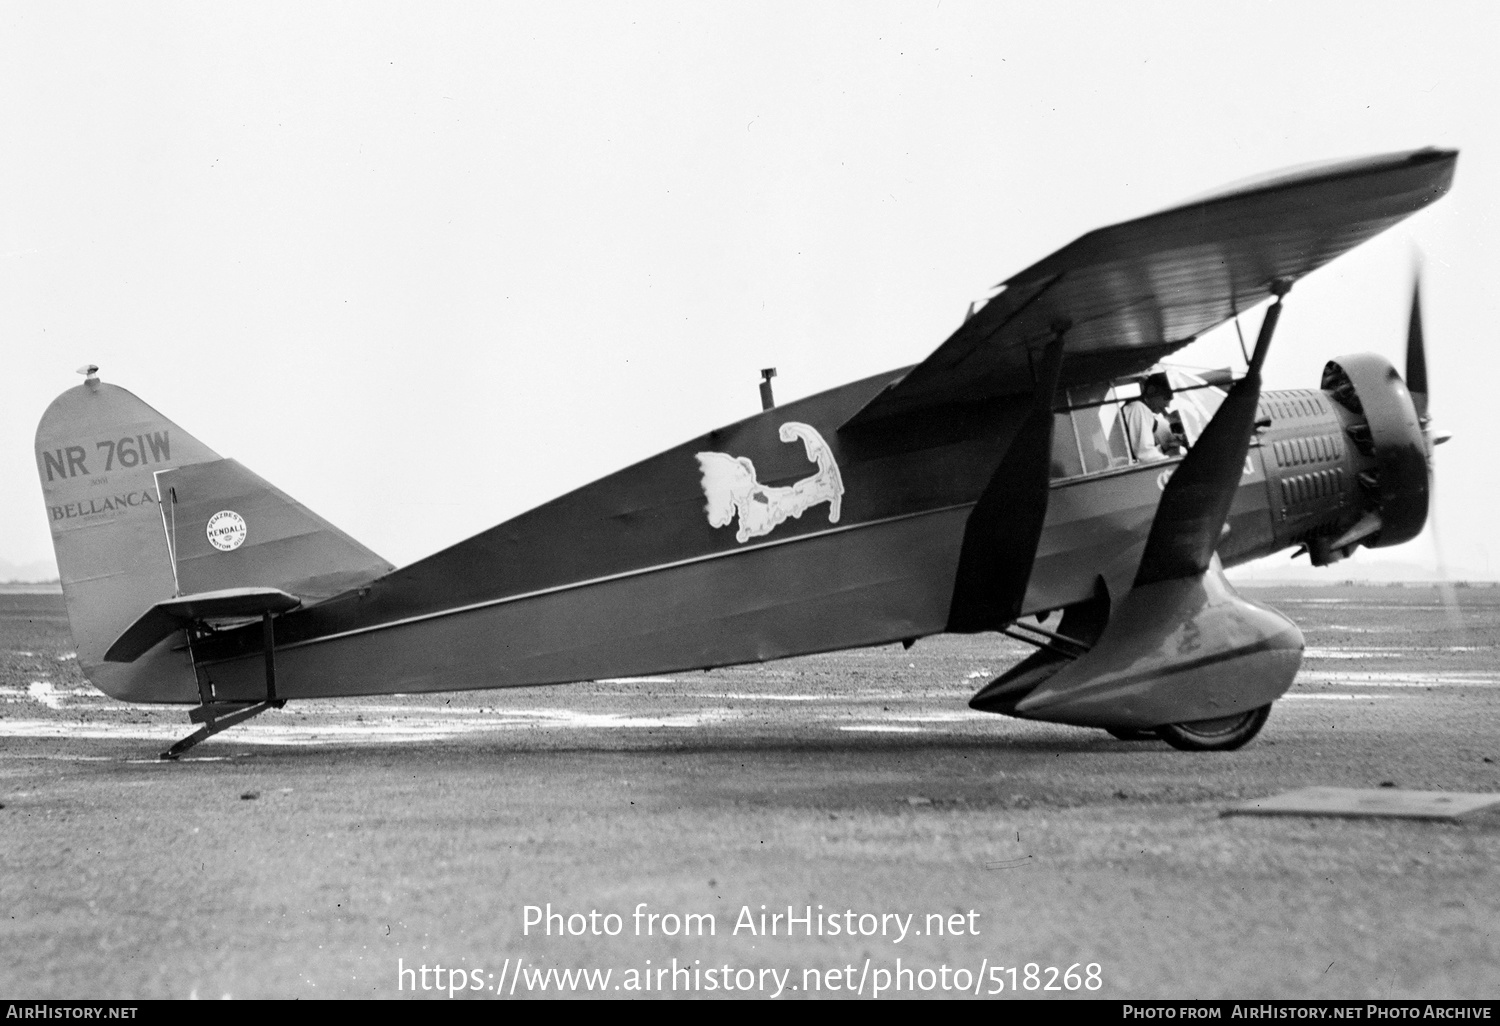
point(218, 716)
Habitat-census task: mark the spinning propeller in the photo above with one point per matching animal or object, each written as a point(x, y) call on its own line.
point(1416, 363)
point(1416, 355)
point(1416, 384)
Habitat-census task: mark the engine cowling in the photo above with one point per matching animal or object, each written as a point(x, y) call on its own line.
point(1393, 456)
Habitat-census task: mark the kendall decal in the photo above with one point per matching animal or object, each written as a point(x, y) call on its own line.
point(226, 530)
point(731, 488)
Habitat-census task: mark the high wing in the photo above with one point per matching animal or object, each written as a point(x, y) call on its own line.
point(1126, 295)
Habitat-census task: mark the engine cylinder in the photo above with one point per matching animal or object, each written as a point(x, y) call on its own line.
point(1387, 431)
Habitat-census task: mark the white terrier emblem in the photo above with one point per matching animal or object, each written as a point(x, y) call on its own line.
point(729, 484)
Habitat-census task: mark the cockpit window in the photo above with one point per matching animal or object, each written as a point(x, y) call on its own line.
point(1194, 402)
point(1067, 458)
point(1099, 428)
point(1090, 436)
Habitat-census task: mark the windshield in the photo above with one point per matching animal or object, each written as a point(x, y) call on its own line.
point(1091, 435)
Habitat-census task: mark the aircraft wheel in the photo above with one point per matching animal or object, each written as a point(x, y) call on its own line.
point(1131, 734)
point(1223, 734)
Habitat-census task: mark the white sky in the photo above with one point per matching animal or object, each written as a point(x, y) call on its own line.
point(425, 266)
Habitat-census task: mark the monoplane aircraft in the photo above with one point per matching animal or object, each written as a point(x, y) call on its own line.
point(994, 481)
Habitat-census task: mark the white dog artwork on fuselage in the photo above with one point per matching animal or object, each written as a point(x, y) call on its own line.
point(731, 488)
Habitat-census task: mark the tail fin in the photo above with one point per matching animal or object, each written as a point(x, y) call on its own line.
point(106, 462)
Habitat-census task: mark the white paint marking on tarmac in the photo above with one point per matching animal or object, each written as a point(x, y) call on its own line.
point(833, 696)
point(1399, 680)
point(356, 707)
point(1331, 698)
point(732, 696)
point(1353, 604)
point(360, 707)
point(45, 693)
point(637, 680)
point(412, 729)
point(1319, 652)
point(56, 758)
point(158, 761)
point(572, 718)
point(57, 729)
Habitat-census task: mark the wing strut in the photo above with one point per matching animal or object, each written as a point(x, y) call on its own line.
point(1195, 503)
point(1182, 646)
point(1003, 530)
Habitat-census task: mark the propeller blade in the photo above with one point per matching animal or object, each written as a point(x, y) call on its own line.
point(1416, 355)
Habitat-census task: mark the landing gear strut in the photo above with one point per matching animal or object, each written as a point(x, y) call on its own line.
point(1131, 734)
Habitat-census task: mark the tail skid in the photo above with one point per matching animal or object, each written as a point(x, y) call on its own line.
point(218, 717)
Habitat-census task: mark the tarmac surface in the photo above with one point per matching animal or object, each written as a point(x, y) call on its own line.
point(349, 848)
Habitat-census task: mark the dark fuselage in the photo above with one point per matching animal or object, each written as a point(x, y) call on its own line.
point(629, 575)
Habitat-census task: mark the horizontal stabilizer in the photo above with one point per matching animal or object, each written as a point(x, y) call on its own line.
point(171, 615)
point(1175, 651)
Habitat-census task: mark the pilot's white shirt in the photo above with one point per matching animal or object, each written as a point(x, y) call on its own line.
point(1141, 429)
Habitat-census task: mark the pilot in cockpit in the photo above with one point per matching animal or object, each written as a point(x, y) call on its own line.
point(1150, 434)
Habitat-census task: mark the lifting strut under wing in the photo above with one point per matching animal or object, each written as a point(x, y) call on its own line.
point(1182, 646)
point(1003, 529)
